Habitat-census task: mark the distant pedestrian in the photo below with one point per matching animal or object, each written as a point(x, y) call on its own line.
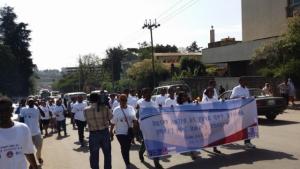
point(241, 91)
point(160, 100)
point(53, 123)
point(46, 118)
point(212, 84)
point(71, 111)
point(221, 90)
point(15, 140)
point(78, 109)
point(124, 118)
point(60, 113)
point(98, 116)
point(284, 91)
point(292, 91)
point(171, 100)
point(30, 116)
point(209, 93)
point(267, 90)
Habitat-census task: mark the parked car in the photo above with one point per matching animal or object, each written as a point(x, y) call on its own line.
point(268, 106)
point(68, 96)
point(177, 86)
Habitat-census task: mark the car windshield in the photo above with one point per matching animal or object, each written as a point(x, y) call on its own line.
point(255, 92)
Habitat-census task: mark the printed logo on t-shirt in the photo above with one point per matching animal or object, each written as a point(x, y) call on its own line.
point(9, 154)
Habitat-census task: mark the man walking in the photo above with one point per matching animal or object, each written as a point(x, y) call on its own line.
point(31, 116)
point(80, 121)
point(241, 91)
point(15, 139)
point(98, 116)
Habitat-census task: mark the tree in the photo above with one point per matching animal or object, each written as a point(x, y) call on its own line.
point(165, 49)
point(16, 37)
point(8, 71)
point(112, 63)
point(192, 66)
point(90, 76)
point(141, 73)
point(282, 57)
point(193, 47)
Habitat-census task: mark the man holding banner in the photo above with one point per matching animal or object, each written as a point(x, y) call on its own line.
point(241, 91)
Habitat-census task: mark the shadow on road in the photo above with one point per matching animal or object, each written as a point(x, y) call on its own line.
point(244, 157)
point(266, 122)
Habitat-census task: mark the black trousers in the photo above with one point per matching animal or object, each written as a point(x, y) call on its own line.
point(125, 144)
point(142, 151)
point(81, 125)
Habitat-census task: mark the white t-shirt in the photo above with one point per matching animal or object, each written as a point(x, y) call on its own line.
point(132, 101)
point(215, 94)
point(15, 142)
point(170, 102)
point(114, 104)
point(144, 104)
point(59, 113)
point(52, 109)
point(72, 106)
point(78, 109)
point(46, 112)
point(239, 92)
point(31, 119)
point(209, 100)
point(120, 121)
point(160, 100)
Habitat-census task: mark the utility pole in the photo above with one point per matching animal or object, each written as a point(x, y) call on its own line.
point(151, 26)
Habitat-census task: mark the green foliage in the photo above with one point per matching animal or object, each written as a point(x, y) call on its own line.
point(141, 73)
point(193, 47)
point(211, 70)
point(89, 76)
point(192, 67)
point(8, 71)
point(282, 57)
point(68, 83)
point(112, 63)
point(165, 49)
point(16, 37)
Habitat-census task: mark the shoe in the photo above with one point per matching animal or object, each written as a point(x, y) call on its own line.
point(250, 145)
point(158, 166)
point(128, 166)
point(41, 161)
point(217, 151)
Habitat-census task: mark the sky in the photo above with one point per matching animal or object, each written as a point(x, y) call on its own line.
point(63, 30)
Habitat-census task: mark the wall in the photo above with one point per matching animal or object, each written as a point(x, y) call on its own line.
point(263, 18)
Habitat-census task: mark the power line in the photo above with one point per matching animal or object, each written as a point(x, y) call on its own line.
point(169, 9)
point(179, 10)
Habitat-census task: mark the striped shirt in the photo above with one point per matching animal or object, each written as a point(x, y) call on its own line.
point(97, 120)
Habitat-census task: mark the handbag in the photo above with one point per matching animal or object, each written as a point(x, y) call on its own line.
point(130, 129)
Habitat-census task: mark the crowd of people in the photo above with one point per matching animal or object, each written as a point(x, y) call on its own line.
point(103, 116)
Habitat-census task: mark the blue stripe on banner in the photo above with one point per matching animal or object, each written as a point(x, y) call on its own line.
point(196, 108)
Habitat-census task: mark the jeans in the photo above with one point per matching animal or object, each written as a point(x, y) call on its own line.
point(81, 125)
point(100, 139)
point(61, 124)
point(125, 144)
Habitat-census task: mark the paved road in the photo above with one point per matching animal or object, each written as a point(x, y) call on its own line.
point(278, 148)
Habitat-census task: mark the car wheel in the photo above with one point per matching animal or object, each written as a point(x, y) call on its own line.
point(271, 116)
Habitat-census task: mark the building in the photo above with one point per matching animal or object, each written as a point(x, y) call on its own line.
point(263, 21)
point(174, 58)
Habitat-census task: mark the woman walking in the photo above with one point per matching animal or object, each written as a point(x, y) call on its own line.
point(124, 117)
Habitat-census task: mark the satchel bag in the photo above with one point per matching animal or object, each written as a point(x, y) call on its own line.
point(130, 129)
